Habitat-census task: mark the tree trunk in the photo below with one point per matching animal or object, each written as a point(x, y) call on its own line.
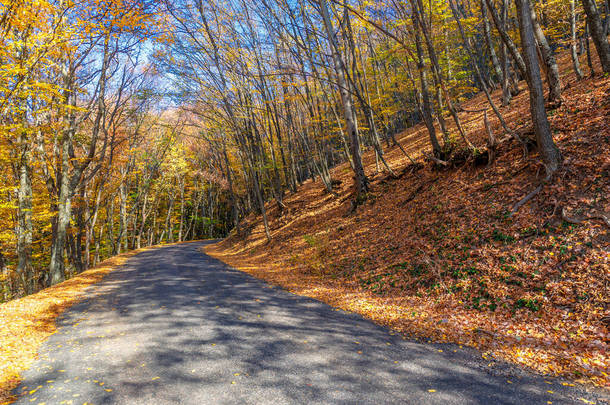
point(361, 91)
point(588, 50)
point(510, 44)
point(597, 33)
point(607, 17)
point(6, 284)
point(169, 229)
point(549, 152)
point(479, 75)
point(123, 235)
point(77, 254)
point(548, 57)
point(361, 181)
point(506, 74)
point(492, 52)
point(437, 72)
point(261, 202)
point(573, 53)
point(98, 241)
point(235, 213)
point(64, 209)
point(24, 218)
point(181, 225)
point(425, 93)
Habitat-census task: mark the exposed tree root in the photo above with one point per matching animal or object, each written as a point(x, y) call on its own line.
point(436, 160)
point(525, 199)
point(579, 221)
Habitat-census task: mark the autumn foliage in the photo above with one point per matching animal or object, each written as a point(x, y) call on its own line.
point(89, 170)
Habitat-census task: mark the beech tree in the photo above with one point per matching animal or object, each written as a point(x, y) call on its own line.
point(544, 138)
point(346, 100)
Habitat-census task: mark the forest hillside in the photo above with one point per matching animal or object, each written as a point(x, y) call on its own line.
point(449, 254)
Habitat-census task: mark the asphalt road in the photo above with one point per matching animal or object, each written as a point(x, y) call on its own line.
point(175, 326)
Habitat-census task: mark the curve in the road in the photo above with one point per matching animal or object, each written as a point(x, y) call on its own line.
point(175, 326)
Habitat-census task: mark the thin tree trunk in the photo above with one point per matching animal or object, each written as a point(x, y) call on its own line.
point(64, 208)
point(231, 191)
point(98, 241)
point(607, 17)
point(492, 52)
point(361, 181)
point(510, 44)
point(548, 57)
point(261, 203)
point(588, 49)
point(437, 72)
point(24, 218)
point(549, 152)
point(78, 235)
point(123, 237)
point(506, 74)
point(573, 53)
point(168, 221)
point(181, 225)
point(426, 108)
point(480, 77)
point(597, 33)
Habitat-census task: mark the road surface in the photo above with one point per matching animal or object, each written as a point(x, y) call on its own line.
point(175, 326)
